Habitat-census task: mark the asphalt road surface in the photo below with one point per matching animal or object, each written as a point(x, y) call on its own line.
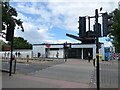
point(30, 67)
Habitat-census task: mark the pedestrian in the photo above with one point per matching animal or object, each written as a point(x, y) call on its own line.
point(39, 54)
point(89, 57)
point(94, 62)
point(5, 55)
point(16, 54)
point(57, 54)
point(8, 54)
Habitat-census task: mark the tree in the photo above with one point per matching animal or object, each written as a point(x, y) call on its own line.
point(3, 45)
point(115, 35)
point(9, 15)
point(20, 43)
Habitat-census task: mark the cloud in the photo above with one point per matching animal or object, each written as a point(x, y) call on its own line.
point(29, 9)
point(32, 35)
point(64, 1)
point(38, 18)
point(63, 14)
point(33, 32)
point(61, 41)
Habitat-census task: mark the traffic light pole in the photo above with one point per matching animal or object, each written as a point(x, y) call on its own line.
point(97, 50)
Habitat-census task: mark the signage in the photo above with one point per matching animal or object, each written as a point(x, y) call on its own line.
point(48, 45)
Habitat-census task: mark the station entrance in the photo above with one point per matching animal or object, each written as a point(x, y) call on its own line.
point(80, 53)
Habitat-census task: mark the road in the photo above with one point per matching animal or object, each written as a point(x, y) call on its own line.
point(71, 74)
point(30, 67)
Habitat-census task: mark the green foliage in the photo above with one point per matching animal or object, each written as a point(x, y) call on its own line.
point(9, 15)
point(115, 35)
point(20, 43)
point(0, 16)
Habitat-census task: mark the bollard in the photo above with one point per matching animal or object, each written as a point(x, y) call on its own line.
point(27, 58)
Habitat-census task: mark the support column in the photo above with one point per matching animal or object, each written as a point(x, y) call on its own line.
point(82, 53)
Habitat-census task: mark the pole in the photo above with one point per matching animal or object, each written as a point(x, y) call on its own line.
point(11, 57)
point(15, 66)
point(65, 51)
point(97, 50)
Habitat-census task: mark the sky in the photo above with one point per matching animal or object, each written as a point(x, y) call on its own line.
point(48, 21)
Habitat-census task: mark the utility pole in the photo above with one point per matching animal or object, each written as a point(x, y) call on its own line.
point(97, 49)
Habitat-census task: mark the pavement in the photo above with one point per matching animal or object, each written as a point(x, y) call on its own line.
point(74, 73)
point(108, 75)
point(32, 60)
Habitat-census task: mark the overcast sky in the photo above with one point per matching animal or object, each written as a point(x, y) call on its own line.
point(49, 21)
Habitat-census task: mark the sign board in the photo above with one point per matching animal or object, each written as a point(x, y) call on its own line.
point(48, 45)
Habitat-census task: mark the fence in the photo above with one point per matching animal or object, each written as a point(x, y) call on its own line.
point(108, 75)
point(115, 56)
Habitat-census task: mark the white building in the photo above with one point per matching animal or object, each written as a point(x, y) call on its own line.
point(23, 53)
point(77, 50)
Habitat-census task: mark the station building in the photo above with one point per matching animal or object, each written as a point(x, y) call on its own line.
point(77, 50)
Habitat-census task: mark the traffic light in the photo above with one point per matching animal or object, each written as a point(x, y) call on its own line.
point(82, 27)
point(107, 23)
point(90, 34)
point(9, 33)
point(99, 29)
